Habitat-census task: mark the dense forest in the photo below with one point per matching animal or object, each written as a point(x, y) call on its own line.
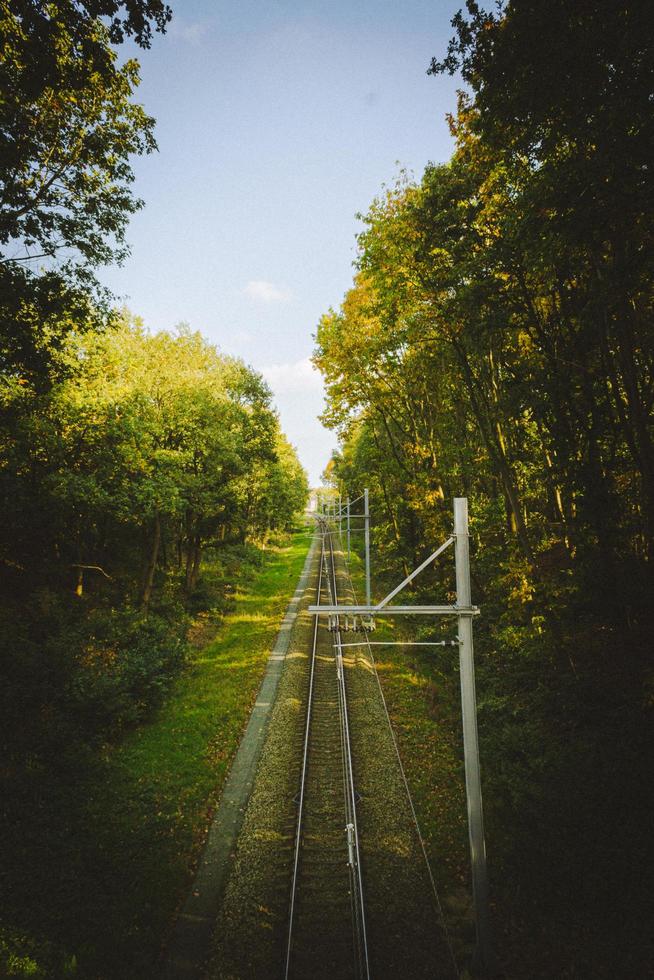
point(497, 343)
point(125, 455)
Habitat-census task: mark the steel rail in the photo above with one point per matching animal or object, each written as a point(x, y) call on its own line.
point(439, 908)
point(305, 757)
point(352, 829)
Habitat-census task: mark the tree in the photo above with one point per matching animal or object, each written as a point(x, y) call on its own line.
point(68, 128)
point(498, 342)
point(148, 447)
point(580, 215)
point(65, 171)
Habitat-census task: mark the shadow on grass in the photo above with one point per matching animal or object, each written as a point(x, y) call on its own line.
point(98, 846)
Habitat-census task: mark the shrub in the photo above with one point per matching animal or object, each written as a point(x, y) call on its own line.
point(125, 664)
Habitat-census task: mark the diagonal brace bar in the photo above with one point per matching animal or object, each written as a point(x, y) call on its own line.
point(416, 571)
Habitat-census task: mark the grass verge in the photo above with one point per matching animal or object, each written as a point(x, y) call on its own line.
point(103, 844)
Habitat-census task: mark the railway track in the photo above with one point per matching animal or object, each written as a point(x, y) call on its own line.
point(294, 905)
point(327, 921)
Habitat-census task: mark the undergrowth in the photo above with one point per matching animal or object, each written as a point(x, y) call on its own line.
point(103, 819)
point(567, 781)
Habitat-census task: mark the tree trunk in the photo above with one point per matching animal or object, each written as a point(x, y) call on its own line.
point(391, 512)
point(493, 438)
point(152, 562)
point(195, 569)
point(193, 554)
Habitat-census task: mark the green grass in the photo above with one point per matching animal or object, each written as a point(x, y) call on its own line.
point(106, 842)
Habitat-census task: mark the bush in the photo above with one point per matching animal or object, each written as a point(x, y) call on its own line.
point(20, 955)
point(125, 664)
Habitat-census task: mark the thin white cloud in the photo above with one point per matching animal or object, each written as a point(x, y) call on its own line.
point(190, 31)
point(267, 292)
point(298, 395)
point(293, 377)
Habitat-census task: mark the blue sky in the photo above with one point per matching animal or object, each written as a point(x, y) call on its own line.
point(276, 122)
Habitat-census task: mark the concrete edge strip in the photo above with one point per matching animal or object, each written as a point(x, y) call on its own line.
point(190, 941)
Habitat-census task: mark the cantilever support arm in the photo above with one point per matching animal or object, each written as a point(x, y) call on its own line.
point(326, 610)
point(416, 571)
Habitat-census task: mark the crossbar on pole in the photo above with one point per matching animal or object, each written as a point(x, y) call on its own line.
point(399, 643)
point(325, 610)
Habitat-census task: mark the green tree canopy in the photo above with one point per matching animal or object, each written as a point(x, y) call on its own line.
point(68, 129)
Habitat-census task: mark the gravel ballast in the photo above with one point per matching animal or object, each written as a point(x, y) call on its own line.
point(404, 934)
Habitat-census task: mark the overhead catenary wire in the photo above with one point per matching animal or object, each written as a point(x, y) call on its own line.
point(352, 830)
point(305, 756)
point(414, 815)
